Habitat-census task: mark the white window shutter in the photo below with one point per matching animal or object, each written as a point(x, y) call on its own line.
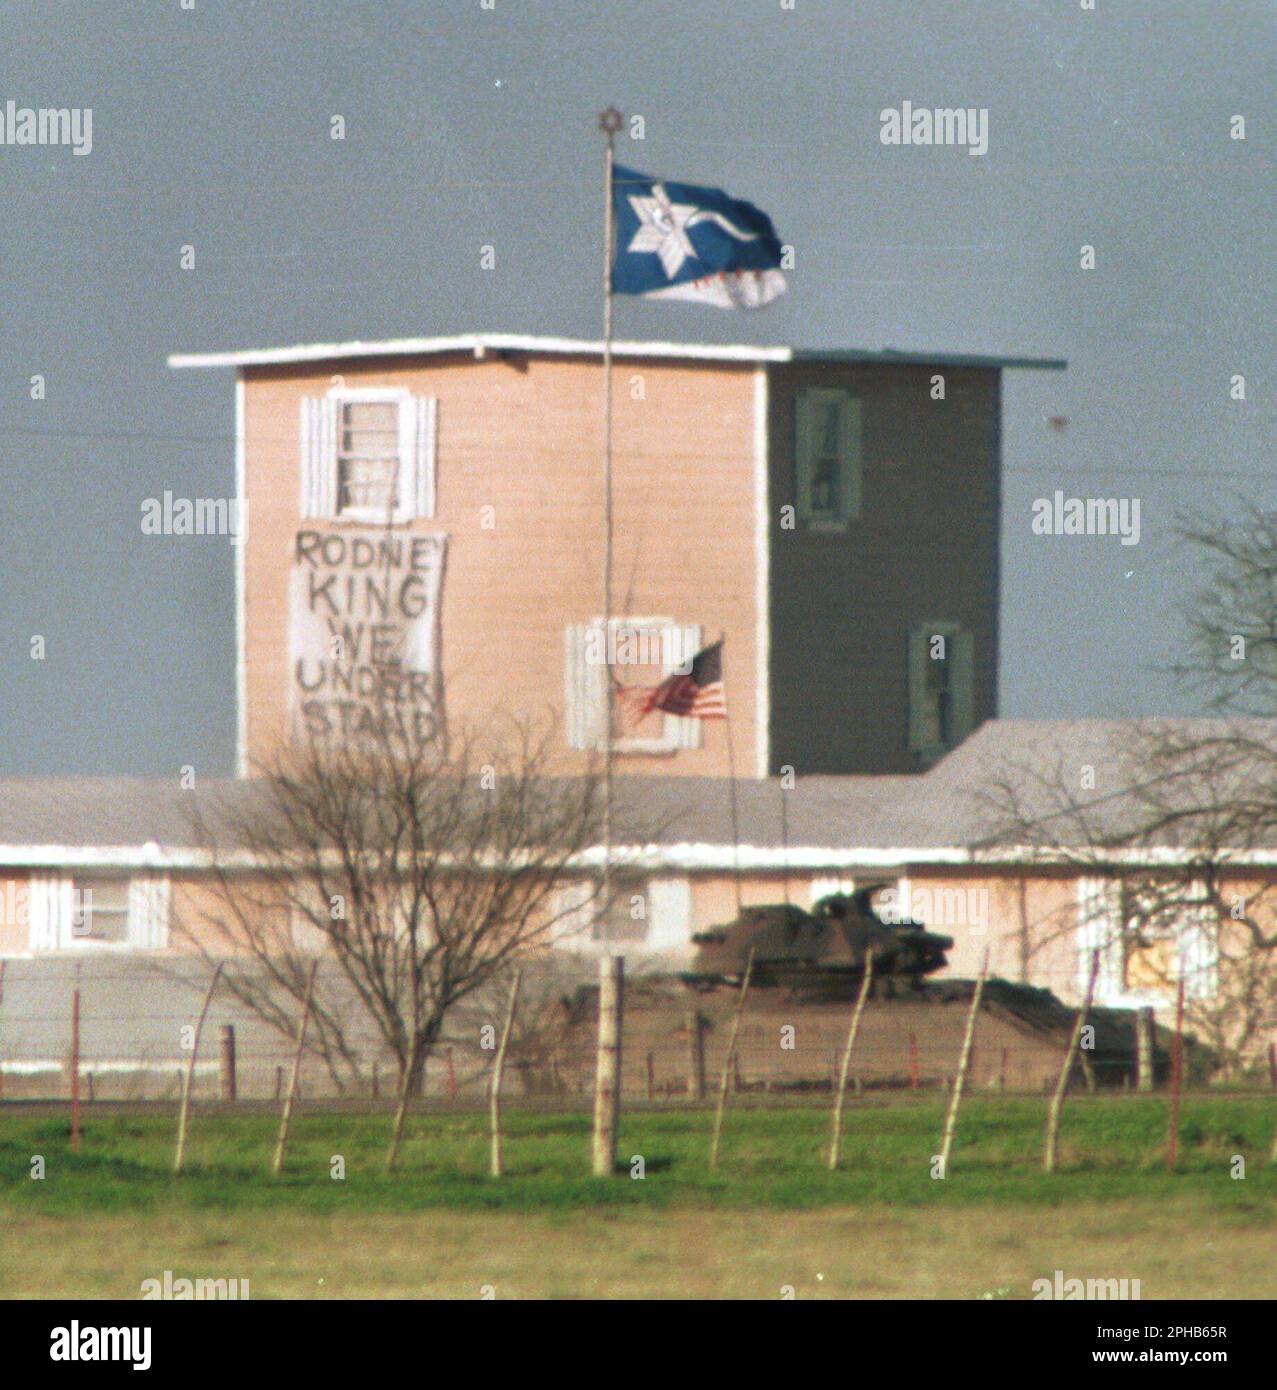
point(573, 910)
point(1198, 947)
point(44, 912)
point(319, 457)
point(1099, 927)
point(149, 898)
point(679, 731)
point(669, 913)
point(425, 415)
point(585, 694)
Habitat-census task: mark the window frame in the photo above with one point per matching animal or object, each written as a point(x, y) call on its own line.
point(624, 887)
point(402, 399)
point(960, 646)
point(678, 732)
point(807, 402)
point(1105, 922)
point(78, 939)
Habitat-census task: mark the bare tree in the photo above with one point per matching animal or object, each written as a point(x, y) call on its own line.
point(1230, 655)
point(1171, 823)
point(422, 874)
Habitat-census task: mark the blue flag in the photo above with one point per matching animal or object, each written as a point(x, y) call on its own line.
point(679, 241)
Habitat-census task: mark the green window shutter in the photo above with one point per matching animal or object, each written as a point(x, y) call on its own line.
point(851, 432)
point(918, 657)
point(804, 451)
point(962, 650)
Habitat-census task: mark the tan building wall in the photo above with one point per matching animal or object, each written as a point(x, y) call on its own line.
point(524, 437)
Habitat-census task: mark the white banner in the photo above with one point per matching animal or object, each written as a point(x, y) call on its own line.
point(364, 632)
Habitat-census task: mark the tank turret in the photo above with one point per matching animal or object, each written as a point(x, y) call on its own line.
point(825, 948)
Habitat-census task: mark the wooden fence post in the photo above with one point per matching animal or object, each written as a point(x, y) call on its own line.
point(835, 1139)
point(1272, 1062)
point(498, 1068)
point(188, 1076)
point(282, 1141)
point(729, 1062)
point(695, 1055)
point(959, 1081)
point(75, 1071)
point(1177, 1079)
point(1056, 1107)
point(228, 1087)
point(607, 1081)
point(1144, 1054)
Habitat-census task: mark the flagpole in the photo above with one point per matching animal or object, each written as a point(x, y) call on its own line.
point(610, 122)
point(731, 783)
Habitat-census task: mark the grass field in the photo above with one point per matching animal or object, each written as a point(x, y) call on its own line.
point(103, 1220)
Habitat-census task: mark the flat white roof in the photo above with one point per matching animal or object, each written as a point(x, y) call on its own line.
point(479, 344)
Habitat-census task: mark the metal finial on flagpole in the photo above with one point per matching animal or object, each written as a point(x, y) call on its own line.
point(610, 121)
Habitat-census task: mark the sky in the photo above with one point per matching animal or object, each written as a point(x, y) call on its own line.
point(468, 126)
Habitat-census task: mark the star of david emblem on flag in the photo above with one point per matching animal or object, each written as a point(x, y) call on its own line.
point(683, 241)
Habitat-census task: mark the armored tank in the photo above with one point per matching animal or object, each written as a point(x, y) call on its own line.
point(821, 952)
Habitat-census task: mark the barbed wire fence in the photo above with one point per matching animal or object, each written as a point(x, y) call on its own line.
point(135, 1023)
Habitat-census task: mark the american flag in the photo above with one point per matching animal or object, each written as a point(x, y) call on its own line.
point(697, 694)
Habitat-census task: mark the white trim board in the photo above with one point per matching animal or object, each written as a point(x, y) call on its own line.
point(480, 344)
point(679, 856)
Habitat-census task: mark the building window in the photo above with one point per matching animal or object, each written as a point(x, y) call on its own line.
point(1150, 935)
point(941, 688)
point(367, 458)
point(100, 909)
point(1171, 935)
point(827, 455)
point(368, 455)
point(639, 655)
point(624, 921)
point(582, 924)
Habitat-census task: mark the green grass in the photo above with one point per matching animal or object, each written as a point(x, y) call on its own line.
point(1112, 1149)
point(772, 1218)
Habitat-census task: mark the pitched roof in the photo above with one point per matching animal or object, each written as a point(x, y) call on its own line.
point(480, 344)
point(943, 816)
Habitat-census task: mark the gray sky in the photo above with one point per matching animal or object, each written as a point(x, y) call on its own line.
point(468, 126)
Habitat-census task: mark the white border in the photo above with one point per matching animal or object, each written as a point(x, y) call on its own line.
point(241, 596)
point(762, 579)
